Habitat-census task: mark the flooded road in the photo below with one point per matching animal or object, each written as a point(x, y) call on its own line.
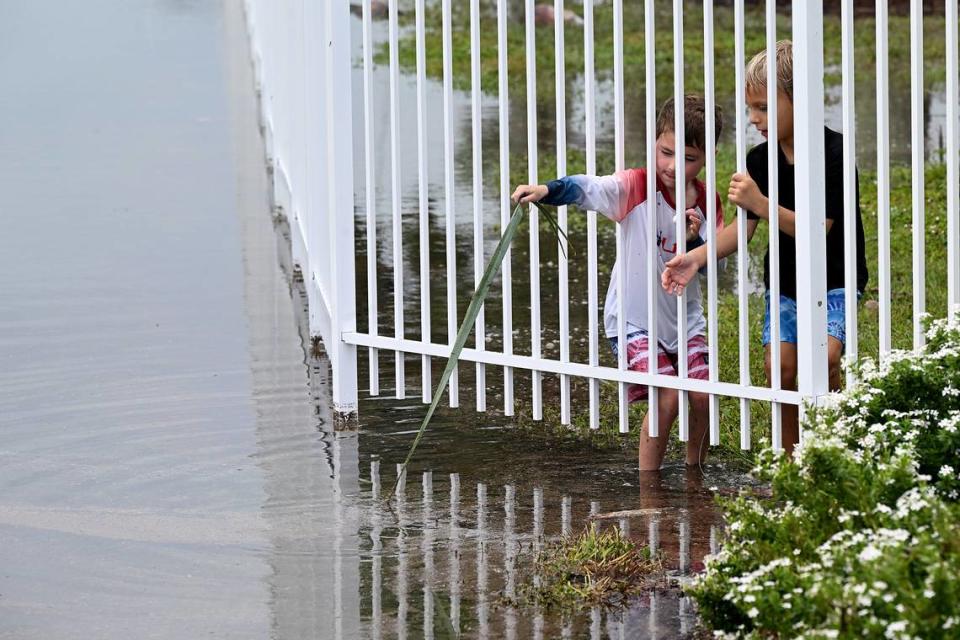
point(168, 466)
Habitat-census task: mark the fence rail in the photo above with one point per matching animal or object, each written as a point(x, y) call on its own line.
point(304, 60)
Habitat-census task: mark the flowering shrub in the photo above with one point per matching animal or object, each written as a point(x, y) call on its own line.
point(860, 536)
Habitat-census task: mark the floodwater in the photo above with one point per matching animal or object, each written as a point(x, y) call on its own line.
point(168, 464)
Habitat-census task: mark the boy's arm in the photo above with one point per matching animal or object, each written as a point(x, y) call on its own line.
point(614, 196)
point(745, 193)
point(683, 267)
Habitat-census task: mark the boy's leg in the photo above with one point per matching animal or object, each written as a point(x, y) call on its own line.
point(836, 334)
point(834, 355)
point(697, 445)
point(789, 423)
point(652, 450)
point(698, 368)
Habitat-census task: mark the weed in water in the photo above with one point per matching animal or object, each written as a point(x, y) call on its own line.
point(596, 568)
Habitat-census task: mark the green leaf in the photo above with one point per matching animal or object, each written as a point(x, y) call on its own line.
point(476, 303)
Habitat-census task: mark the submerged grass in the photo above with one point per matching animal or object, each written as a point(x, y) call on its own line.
point(595, 568)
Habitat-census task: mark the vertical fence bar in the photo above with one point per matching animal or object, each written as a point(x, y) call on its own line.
point(425, 376)
point(561, 95)
point(481, 555)
point(883, 177)
point(621, 263)
point(849, 186)
point(653, 257)
point(478, 263)
point(711, 213)
point(589, 97)
point(448, 175)
point(340, 229)
point(953, 171)
point(743, 302)
point(680, 200)
point(395, 189)
point(301, 191)
point(774, 241)
point(427, 549)
point(507, 267)
point(535, 337)
point(454, 557)
point(372, 307)
point(917, 163)
point(813, 377)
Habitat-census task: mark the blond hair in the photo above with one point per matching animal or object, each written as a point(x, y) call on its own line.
point(756, 75)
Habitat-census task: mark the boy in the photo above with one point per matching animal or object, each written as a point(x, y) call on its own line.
point(623, 198)
point(749, 191)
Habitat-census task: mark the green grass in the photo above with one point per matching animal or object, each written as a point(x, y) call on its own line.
point(598, 567)
point(634, 51)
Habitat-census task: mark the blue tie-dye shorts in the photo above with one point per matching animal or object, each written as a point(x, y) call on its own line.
point(836, 317)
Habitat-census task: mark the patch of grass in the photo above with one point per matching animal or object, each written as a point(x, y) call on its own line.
point(596, 568)
point(634, 47)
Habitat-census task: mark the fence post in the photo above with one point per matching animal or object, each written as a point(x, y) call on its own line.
point(812, 373)
point(339, 239)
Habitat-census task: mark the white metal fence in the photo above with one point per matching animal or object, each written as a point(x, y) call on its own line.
point(302, 55)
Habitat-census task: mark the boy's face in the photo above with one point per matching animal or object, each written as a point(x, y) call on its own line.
point(757, 111)
point(667, 161)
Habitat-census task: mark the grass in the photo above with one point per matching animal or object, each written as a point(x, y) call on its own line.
point(634, 52)
point(596, 568)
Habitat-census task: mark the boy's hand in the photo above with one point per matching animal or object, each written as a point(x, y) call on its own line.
point(693, 225)
point(745, 193)
point(678, 273)
point(529, 193)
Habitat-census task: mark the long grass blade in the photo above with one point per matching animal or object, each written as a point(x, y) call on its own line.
point(479, 296)
point(548, 214)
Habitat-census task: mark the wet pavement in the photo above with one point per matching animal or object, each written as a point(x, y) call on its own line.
point(168, 464)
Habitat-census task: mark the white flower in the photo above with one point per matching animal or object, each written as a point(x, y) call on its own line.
point(928, 593)
point(895, 629)
point(946, 471)
point(753, 613)
point(870, 553)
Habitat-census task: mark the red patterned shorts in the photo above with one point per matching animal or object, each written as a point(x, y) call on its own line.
point(638, 347)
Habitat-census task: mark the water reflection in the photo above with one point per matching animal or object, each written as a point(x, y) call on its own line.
point(490, 552)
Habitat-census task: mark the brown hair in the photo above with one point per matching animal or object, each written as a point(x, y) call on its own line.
point(756, 75)
point(694, 121)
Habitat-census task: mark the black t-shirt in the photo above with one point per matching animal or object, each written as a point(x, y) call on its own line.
point(833, 210)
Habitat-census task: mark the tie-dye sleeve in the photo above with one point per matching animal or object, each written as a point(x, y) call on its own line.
point(614, 196)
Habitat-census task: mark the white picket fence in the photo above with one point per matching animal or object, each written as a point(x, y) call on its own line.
point(302, 59)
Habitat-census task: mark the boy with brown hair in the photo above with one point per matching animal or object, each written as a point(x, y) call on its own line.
point(623, 198)
point(749, 191)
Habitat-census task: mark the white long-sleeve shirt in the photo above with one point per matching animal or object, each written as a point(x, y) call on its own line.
point(622, 197)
